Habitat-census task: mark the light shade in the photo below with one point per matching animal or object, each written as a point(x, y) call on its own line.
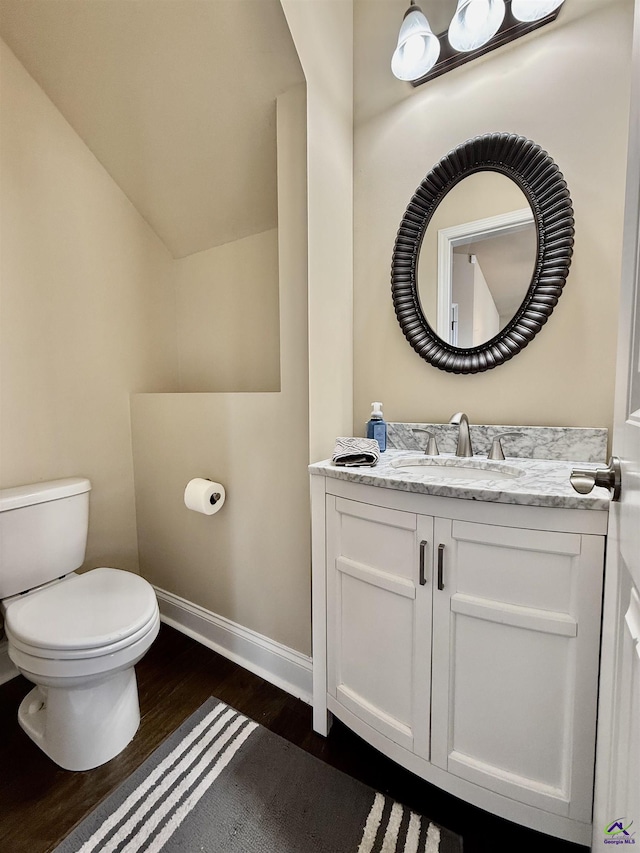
point(418, 48)
point(474, 23)
point(533, 10)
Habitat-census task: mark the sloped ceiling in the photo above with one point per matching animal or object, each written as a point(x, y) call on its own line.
point(176, 98)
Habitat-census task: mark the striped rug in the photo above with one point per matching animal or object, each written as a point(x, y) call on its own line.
point(222, 783)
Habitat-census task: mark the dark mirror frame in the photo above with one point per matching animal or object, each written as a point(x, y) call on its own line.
point(541, 181)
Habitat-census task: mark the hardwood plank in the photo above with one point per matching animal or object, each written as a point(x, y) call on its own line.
point(40, 803)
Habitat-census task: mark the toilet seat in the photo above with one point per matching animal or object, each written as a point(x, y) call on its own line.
point(83, 617)
point(81, 672)
point(82, 654)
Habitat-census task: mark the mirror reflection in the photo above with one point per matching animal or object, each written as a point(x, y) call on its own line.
point(477, 259)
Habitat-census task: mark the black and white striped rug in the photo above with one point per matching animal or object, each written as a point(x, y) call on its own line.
point(222, 783)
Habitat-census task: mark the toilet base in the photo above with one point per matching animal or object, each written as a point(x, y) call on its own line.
point(83, 727)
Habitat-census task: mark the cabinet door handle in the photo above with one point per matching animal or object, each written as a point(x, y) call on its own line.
point(440, 566)
point(423, 547)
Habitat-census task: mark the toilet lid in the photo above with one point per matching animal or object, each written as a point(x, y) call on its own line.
point(85, 611)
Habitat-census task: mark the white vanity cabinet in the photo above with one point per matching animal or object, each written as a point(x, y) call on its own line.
point(379, 619)
point(516, 633)
point(462, 639)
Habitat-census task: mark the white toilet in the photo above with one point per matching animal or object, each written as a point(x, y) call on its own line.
point(76, 637)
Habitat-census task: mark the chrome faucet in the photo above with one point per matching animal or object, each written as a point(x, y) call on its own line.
point(464, 438)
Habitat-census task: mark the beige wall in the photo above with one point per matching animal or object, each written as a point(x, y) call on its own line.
point(91, 301)
point(115, 312)
point(157, 90)
point(250, 561)
point(87, 315)
point(227, 316)
point(323, 34)
point(90, 304)
point(555, 89)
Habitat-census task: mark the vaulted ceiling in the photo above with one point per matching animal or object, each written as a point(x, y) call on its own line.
point(176, 99)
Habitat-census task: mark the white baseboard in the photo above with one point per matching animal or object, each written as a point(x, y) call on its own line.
point(278, 664)
point(7, 669)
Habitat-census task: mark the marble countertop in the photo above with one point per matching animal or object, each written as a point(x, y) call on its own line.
point(542, 482)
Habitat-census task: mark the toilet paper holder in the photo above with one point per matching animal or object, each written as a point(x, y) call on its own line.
point(215, 497)
point(204, 495)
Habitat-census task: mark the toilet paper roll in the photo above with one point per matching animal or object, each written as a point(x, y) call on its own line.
point(204, 496)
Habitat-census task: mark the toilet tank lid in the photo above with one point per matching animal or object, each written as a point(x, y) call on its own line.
point(38, 493)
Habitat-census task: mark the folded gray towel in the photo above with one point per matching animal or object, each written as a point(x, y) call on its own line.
point(354, 452)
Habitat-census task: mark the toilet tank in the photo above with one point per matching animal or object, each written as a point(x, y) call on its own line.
point(43, 532)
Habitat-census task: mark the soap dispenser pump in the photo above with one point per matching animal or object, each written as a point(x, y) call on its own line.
point(377, 427)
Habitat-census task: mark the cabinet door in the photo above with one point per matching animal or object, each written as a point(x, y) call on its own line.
point(379, 618)
point(515, 662)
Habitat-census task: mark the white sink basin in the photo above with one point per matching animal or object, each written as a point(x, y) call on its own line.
point(457, 469)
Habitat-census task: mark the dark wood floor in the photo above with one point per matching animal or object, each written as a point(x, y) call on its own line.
point(40, 803)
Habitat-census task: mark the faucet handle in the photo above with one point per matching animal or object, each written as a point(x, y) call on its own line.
point(497, 453)
point(432, 445)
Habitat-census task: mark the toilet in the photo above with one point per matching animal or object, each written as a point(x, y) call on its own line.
point(76, 637)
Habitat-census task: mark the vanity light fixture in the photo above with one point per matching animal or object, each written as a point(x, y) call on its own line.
point(418, 48)
point(478, 27)
point(534, 10)
point(475, 22)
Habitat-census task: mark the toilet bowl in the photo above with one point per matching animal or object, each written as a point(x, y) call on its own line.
point(78, 641)
point(77, 637)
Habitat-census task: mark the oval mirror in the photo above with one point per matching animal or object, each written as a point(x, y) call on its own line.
point(477, 259)
point(482, 253)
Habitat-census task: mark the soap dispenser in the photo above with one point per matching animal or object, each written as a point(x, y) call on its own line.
point(377, 427)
